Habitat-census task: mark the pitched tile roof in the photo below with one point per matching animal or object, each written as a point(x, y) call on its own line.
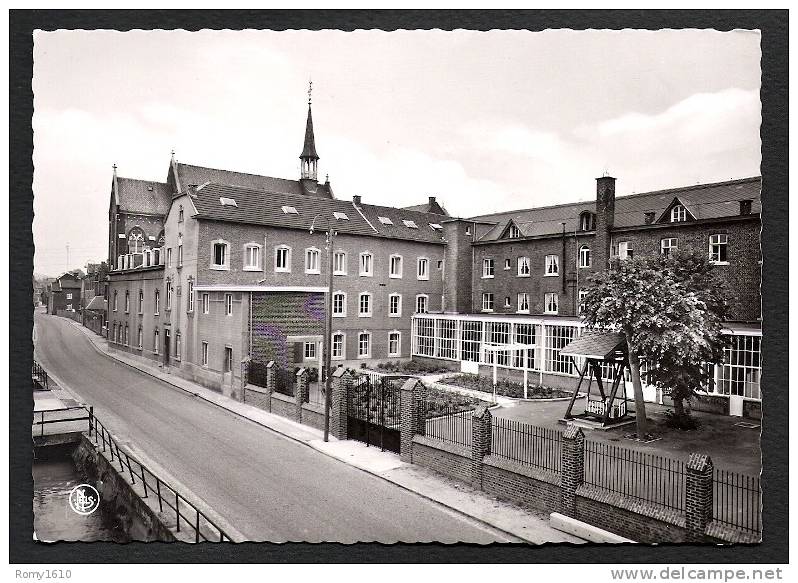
point(143, 196)
point(98, 303)
point(705, 201)
point(253, 207)
point(433, 206)
point(595, 345)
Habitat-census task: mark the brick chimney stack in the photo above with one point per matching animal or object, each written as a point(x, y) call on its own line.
point(605, 219)
point(356, 200)
point(431, 200)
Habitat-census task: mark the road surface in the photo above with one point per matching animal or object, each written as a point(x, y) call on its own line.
point(268, 487)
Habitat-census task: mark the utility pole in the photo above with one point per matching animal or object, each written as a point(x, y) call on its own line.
point(328, 334)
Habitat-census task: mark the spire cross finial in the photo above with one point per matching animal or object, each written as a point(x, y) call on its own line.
point(310, 90)
point(114, 165)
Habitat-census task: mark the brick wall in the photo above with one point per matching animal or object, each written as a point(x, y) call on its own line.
point(522, 485)
point(283, 406)
point(448, 459)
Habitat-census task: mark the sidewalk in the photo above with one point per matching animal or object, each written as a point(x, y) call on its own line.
point(525, 526)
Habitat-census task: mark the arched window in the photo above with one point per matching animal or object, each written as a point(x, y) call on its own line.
point(587, 221)
point(161, 239)
point(135, 240)
point(584, 256)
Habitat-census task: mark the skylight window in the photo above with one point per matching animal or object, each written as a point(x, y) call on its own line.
point(435, 226)
point(227, 201)
point(385, 220)
point(289, 210)
point(341, 216)
point(410, 224)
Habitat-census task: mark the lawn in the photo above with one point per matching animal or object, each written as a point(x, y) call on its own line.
point(504, 387)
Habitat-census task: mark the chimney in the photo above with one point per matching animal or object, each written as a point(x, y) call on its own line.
point(745, 207)
point(356, 200)
point(431, 200)
point(649, 217)
point(605, 219)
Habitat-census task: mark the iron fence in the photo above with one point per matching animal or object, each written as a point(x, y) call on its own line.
point(41, 379)
point(656, 479)
point(48, 417)
point(447, 422)
point(526, 444)
point(737, 500)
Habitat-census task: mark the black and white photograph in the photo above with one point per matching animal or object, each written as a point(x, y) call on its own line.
point(398, 286)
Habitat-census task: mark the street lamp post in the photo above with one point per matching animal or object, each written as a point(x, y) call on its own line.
point(327, 346)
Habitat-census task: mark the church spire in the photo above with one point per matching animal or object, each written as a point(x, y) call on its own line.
point(309, 157)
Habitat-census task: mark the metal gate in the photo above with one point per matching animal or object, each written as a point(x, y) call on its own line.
point(374, 411)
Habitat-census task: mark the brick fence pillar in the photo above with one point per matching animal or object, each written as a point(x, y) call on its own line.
point(244, 378)
point(480, 442)
point(339, 407)
point(301, 393)
point(410, 407)
point(572, 468)
point(698, 495)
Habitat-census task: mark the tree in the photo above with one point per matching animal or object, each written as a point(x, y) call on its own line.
point(670, 310)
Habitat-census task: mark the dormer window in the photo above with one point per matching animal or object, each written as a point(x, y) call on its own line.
point(513, 232)
point(341, 216)
point(435, 226)
point(385, 220)
point(410, 224)
point(587, 221)
point(289, 210)
point(678, 214)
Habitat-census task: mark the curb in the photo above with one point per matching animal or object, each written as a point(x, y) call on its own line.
point(311, 446)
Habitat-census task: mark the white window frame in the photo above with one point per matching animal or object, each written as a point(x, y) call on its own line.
point(259, 263)
point(507, 264)
point(116, 301)
point(127, 301)
point(584, 252)
point(581, 301)
point(168, 305)
point(141, 301)
point(226, 265)
point(678, 214)
point(487, 301)
point(422, 269)
point(513, 232)
point(313, 346)
point(523, 300)
point(398, 313)
point(551, 261)
point(342, 313)
point(204, 353)
point(156, 341)
point(206, 303)
point(141, 338)
point(507, 302)
point(157, 301)
point(178, 346)
point(547, 297)
point(524, 262)
point(370, 302)
point(228, 304)
point(398, 259)
point(311, 252)
point(190, 297)
point(624, 247)
point(287, 267)
point(363, 272)
point(69, 296)
point(488, 268)
point(718, 239)
point(341, 356)
point(669, 247)
point(398, 351)
point(337, 266)
point(368, 344)
point(426, 303)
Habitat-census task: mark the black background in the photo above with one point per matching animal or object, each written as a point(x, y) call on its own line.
point(774, 131)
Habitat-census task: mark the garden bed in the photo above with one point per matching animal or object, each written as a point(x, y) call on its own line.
point(412, 367)
point(504, 387)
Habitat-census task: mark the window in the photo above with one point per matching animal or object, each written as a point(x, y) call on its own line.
point(252, 257)
point(341, 216)
point(552, 265)
point(523, 303)
point(421, 303)
point(487, 302)
point(338, 343)
point(156, 341)
point(584, 256)
point(513, 232)
point(394, 343)
point(507, 302)
point(506, 264)
point(157, 302)
point(586, 221)
point(289, 210)
point(582, 296)
point(364, 345)
point(395, 305)
point(410, 224)
point(115, 300)
point(625, 250)
point(282, 259)
point(220, 255)
point(180, 255)
point(69, 296)
point(228, 359)
point(396, 267)
point(718, 248)
point(309, 351)
point(385, 220)
point(668, 246)
point(339, 304)
point(168, 295)
point(436, 226)
point(339, 263)
point(741, 369)
point(228, 304)
point(141, 301)
point(206, 303)
point(423, 268)
point(487, 268)
point(225, 201)
point(678, 214)
point(135, 243)
point(364, 304)
point(190, 296)
point(366, 264)
point(69, 306)
point(178, 345)
point(523, 267)
point(204, 354)
point(127, 302)
point(180, 214)
point(551, 303)
point(312, 263)
point(169, 257)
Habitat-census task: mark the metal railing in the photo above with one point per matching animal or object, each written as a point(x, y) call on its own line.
point(187, 515)
point(526, 444)
point(447, 422)
point(40, 376)
point(54, 414)
point(737, 500)
point(653, 478)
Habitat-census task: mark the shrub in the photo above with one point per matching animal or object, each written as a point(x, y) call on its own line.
point(685, 421)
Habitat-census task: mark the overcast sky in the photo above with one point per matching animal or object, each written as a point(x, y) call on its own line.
point(485, 121)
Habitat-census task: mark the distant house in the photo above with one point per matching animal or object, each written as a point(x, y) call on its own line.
point(64, 294)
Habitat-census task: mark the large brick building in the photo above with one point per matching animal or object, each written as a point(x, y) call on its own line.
point(212, 266)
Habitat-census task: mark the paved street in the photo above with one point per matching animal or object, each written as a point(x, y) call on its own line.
point(267, 486)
